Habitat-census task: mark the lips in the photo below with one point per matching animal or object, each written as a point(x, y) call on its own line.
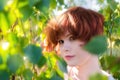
point(69, 57)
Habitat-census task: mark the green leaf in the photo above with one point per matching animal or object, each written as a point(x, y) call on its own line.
point(7, 19)
point(101, 1)
point(33, 2)
point(117, 42)
point(12, 38)
point(42, 61)
point(97, 45)
point(33, 53)
point(42, 76)
point(26, 11)
point(43, 6)
point(3, 22)
point(111, 63)
point(23, 41)
point(1, 61)
point(4, 75)
point(106, 12)
point(53, 4)
point(98, 76)
point(62, 65)
point(107, 62)
point(113, 4)
point(55, 76)
point(14, 62)
point(61, 2)
point(2, 4)
point(27, 74)
point(117, 21)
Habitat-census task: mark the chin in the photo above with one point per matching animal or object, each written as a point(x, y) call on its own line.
point(71, 64)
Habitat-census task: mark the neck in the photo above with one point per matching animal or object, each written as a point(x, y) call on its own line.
point(90, 67)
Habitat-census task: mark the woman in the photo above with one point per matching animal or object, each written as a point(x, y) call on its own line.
point(68, 34)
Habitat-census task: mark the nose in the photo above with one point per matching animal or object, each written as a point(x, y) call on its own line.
point(66, 46)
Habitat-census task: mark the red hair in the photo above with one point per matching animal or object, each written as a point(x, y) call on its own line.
point(82, 23)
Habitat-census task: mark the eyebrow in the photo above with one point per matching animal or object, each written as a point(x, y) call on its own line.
point(66, 35)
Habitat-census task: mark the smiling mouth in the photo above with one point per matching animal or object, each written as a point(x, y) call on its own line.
point(68, 57)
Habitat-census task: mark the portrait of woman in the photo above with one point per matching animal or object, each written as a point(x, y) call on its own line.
point(68, 33)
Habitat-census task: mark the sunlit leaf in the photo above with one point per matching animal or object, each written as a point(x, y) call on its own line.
point(3, 22)
point(4, 75)
point(12, 37)
point(98, 76)
point(33, 53)
point(23, 41)
point(27, 74)
point(11, 18)
point(111, 63)
point(106, 12)
point(53, 4)
point(7, 19)
point(22, 3)
point(101, 1)
point(97, 45)
point(42, 76)
point(50, 61)
point(14, 62)
point(106, 62)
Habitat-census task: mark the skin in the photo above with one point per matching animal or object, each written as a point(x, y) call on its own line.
point(80, 63)
point(71, 50)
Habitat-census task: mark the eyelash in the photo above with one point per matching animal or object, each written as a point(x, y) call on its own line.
point(61, 41)
point(71, 38)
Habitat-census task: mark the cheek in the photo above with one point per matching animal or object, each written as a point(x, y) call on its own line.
point(79, 49)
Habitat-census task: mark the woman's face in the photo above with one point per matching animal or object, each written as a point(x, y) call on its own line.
point(71, 50)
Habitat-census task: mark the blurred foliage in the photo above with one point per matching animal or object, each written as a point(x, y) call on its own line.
point(21, 26)
point(98, 77)
point(111, 59)
point(101, 41)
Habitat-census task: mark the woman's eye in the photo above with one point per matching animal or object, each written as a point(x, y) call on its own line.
point(60, 41)
point(71, 38)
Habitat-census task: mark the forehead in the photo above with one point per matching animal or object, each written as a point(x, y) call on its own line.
point(65, 35)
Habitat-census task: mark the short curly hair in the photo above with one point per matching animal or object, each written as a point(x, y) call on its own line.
point(82, 23)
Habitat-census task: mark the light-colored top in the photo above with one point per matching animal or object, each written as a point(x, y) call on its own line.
point(74, 72)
